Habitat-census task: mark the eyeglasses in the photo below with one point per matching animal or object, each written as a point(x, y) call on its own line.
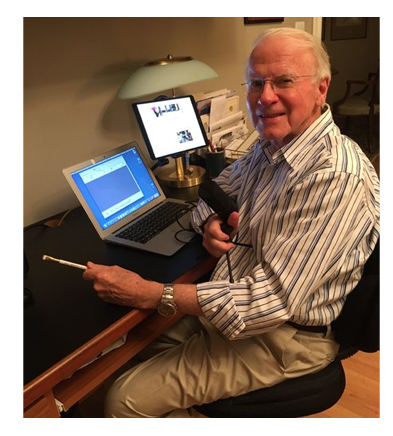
point(256, 86)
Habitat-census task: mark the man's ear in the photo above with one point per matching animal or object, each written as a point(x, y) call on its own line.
point(323, 90)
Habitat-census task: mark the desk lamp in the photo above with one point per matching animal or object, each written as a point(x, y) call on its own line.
point(164, 74)
point(161, 75)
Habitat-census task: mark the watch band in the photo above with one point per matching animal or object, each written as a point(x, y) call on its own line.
point(167, 294)
point(167, 306)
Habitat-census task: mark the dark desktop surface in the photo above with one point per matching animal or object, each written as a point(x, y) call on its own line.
point(64, 312)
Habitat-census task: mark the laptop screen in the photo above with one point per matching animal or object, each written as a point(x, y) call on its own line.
point(116, 186)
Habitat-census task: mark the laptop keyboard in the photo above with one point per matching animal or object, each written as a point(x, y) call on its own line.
point(156, 221)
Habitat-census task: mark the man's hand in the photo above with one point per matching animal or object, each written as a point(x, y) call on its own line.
point(214, 239)
point(120, 286)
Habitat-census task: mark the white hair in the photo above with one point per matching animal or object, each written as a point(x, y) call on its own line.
point(304, 40)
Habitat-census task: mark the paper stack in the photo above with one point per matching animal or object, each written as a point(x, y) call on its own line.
point(222, 118)
point(239, 147)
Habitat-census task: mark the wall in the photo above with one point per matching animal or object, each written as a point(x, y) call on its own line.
point(73, 68)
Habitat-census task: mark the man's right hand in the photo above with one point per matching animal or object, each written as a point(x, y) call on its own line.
point(214, 239)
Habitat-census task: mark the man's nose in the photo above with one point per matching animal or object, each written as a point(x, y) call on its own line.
point(268, 94)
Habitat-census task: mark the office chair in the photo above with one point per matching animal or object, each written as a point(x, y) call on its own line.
point(357, 328)
point(359, 103)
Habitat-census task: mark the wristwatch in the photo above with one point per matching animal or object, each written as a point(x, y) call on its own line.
point(167, 306)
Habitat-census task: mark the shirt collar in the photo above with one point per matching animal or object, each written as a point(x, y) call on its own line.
point(292, 151)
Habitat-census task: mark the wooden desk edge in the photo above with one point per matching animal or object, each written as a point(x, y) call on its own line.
point(74, 389)
point(66, 367)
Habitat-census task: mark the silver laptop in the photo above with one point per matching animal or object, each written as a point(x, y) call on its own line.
point(121, 196)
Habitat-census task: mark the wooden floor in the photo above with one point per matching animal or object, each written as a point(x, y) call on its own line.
point(361, 396)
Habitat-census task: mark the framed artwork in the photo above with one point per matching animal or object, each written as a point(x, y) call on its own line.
point(249, 20)
point(348, 28)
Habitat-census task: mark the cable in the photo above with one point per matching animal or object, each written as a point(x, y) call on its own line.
point(64, 216)
point(183, 229)
point(179, 215)
point(54, 222)
point(228, 258)
point(229, 268)
point(240, 243)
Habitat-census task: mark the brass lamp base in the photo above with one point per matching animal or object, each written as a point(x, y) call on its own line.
point(193, 176)
point(182, 178)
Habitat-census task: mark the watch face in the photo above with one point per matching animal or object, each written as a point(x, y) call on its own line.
point(166, 309)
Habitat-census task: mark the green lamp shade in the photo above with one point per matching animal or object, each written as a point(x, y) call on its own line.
point(165, 74)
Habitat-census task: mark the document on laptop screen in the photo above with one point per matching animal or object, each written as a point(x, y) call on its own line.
point(116, 187)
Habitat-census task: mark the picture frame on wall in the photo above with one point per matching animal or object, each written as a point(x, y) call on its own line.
point(259, 20)
point(348, 28)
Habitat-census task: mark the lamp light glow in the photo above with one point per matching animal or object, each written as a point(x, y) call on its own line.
point(164, 74)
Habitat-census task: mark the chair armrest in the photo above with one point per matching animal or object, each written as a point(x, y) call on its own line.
point(350, 83)
point(366, 83)
point(360, 82)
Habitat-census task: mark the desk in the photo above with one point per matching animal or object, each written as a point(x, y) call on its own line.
point(67, 325)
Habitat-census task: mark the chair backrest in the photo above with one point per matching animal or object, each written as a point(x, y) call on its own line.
point(375, 93)
point(358, 323)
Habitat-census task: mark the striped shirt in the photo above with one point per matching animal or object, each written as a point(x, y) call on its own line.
point(311, 213)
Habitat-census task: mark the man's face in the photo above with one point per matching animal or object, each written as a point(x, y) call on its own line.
point(282, 113)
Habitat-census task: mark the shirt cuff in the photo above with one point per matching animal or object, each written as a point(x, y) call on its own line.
point(217, 303)
point(200, 215)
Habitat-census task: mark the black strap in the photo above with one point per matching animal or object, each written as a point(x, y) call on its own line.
point(309, 328)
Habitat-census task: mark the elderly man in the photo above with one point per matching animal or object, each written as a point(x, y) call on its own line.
point(308, 220)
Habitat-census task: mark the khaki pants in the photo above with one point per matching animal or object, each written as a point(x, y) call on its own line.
point(192, 363)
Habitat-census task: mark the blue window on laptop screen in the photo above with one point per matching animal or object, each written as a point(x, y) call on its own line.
point(115, 187)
